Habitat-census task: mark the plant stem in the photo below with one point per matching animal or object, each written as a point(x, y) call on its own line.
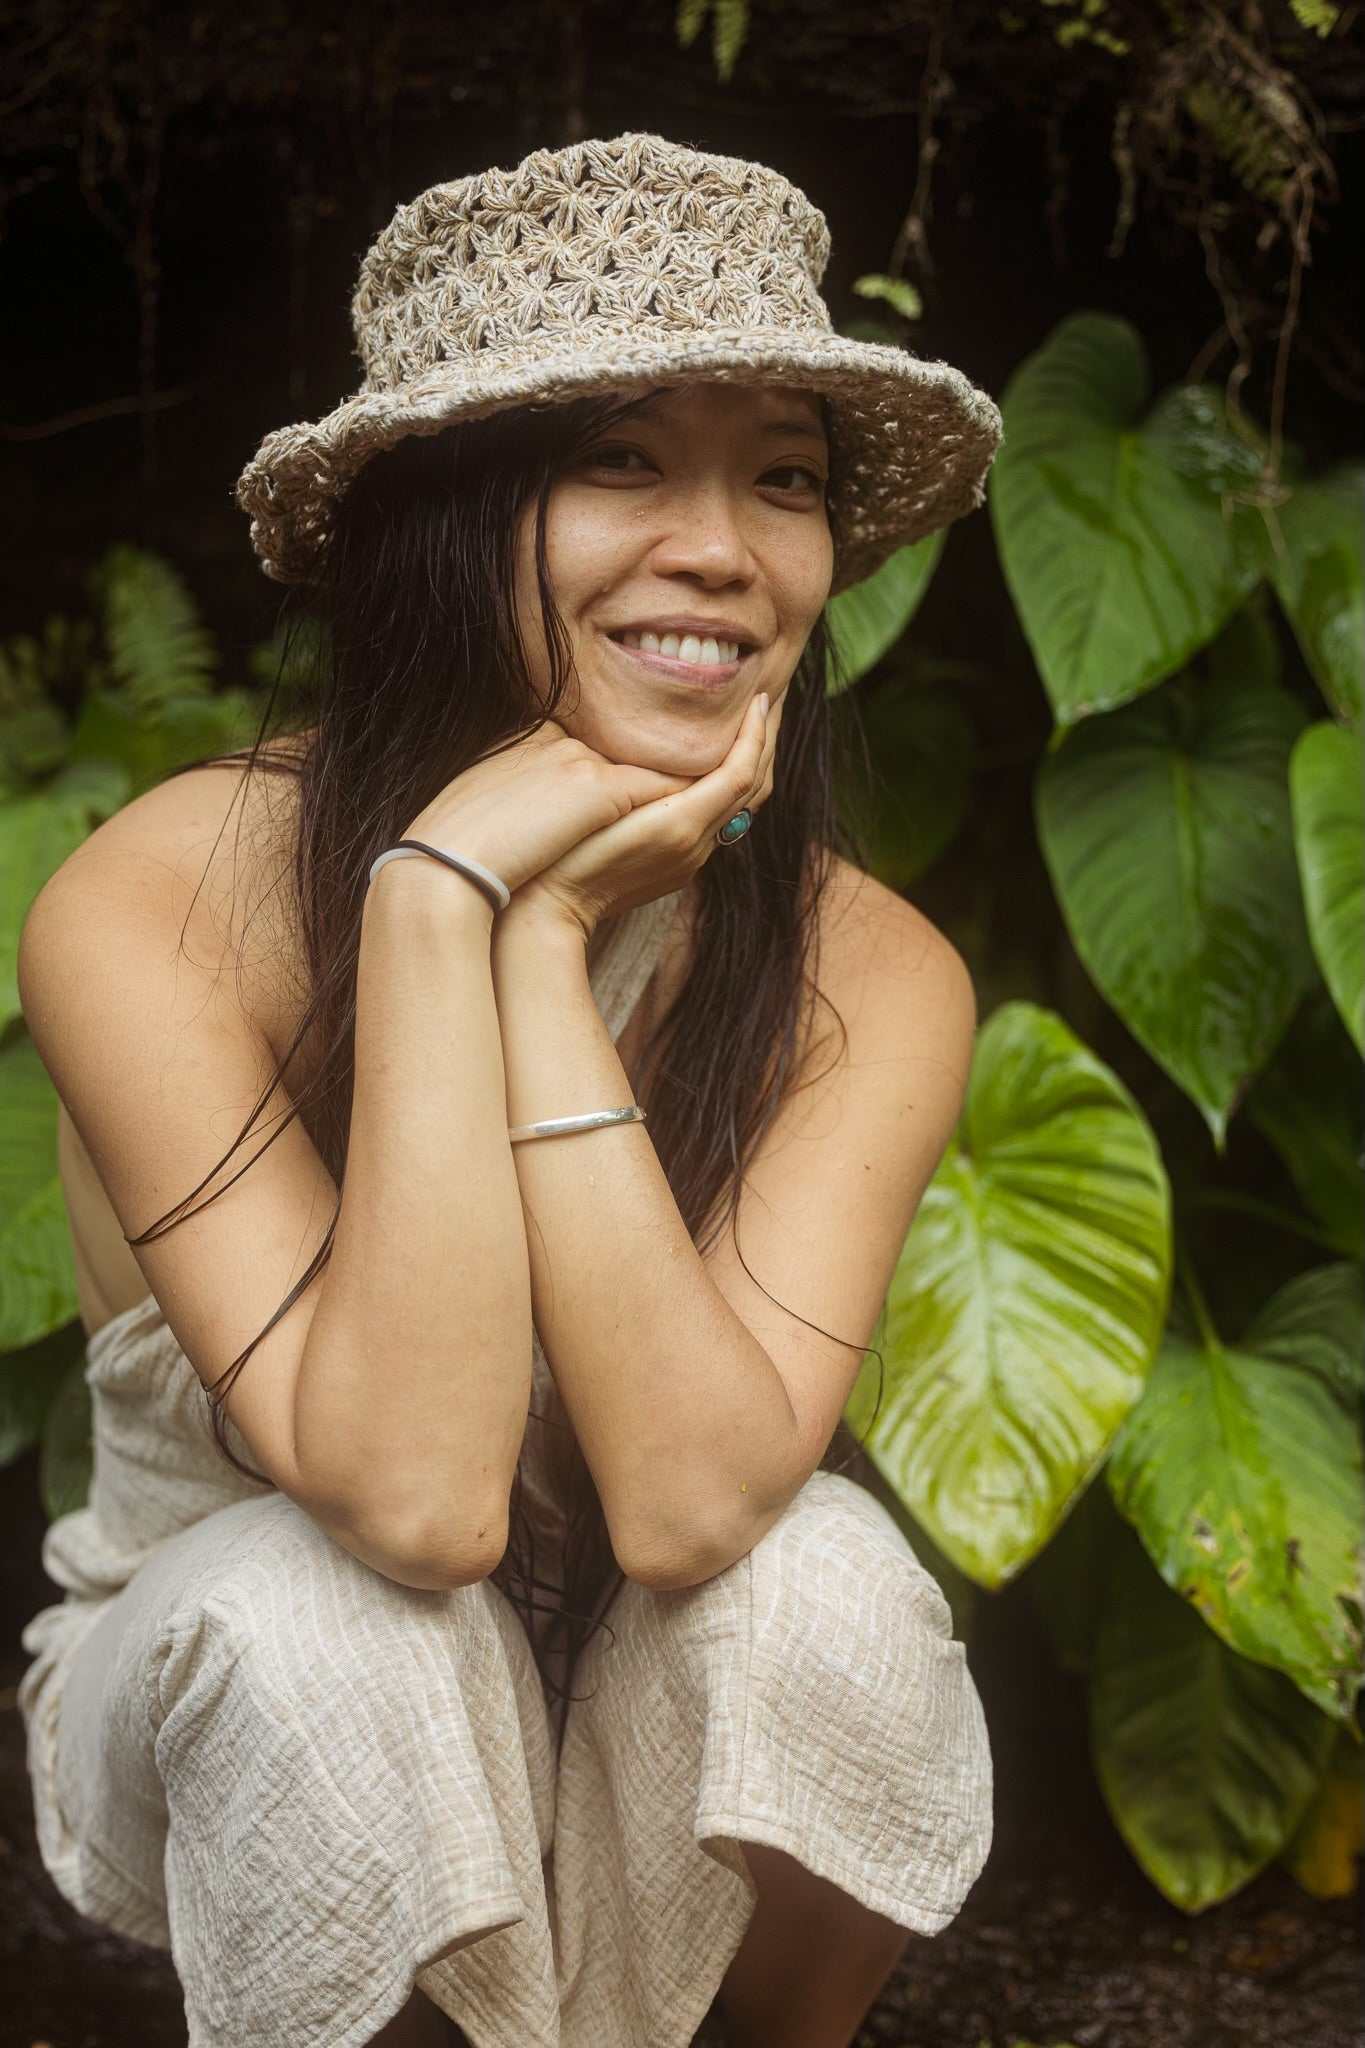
point(1198, 1305)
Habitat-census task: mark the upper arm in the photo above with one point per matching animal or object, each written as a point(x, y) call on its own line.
point(158, 1067)
point(837, 1178)
point(136, 1012)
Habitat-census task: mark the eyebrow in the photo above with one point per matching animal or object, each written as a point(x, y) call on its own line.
point(803, 427)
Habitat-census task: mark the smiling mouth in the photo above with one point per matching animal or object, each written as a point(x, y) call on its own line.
point(712, 673)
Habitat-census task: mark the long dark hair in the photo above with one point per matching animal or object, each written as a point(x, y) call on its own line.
point(412, 669)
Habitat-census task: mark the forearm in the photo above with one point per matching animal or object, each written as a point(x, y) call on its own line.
point(673, 1400)
point(414, 1384)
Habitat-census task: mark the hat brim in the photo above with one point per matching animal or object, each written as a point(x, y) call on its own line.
point(914, 437)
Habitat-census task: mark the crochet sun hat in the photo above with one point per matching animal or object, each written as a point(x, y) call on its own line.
point(608, 265)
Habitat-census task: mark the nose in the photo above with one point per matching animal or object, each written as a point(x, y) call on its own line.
point(706, 536)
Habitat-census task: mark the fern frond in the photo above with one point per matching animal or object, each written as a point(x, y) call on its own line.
point(158, 648)
point(691, 15)
point(1319, 16)
point(1249, 143)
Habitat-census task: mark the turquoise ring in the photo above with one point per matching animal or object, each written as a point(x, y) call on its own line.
point(736, 828)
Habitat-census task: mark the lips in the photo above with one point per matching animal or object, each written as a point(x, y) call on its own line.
point(711, 675)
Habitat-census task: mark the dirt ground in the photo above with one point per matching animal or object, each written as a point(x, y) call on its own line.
point(1062, 1941)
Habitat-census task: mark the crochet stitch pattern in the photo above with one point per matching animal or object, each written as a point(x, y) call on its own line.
point(610, 265)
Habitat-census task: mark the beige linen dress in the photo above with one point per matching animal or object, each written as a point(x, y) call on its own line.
point(316, 1786)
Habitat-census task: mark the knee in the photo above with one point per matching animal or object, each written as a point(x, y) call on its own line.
point(836, 1565)
point(278, 1621)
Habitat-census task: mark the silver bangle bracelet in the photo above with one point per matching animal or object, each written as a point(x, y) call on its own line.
point(590, 1120)
point(492, 886)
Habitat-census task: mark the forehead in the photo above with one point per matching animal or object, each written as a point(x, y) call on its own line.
point(779, 407)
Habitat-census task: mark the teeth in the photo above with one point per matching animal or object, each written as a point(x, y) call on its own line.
point(684, 647)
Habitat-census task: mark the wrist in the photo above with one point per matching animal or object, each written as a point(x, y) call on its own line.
point(426, 891)
point(540, 914)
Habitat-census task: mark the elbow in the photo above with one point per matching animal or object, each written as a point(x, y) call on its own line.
point(670, 1567)
point(431, 1560)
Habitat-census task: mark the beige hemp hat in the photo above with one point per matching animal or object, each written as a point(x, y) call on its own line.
point(602, 265)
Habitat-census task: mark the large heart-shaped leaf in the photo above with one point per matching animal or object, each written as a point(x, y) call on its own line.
point(1119, 535)
point(1167, 834)
point(1320, 580)
point(1327, 788)
point(1241, 1470)
point(1067, 1585)
point(37, 1280)
point(1207, 1762)
point(921, 746)
point(1305, 1103)
point(1027, 1302)
point(29, 1383)
point(869, 617)
point(37, 833)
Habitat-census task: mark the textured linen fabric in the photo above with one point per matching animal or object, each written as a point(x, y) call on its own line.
point(316, 1786)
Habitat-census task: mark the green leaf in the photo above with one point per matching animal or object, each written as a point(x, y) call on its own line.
point(1207, 1762)
point(37, 833)
point(1320, 581)
point(1327, 788)
point(894, 290)
point(1166, 831)
point(147, 748)
point(1307, 1104)
point(691, 14)
point(1241, 1470)
point(1027, 1302)
point(37, 1280)
point(1067, 1585)
point(1119, 543)
point(28, 1384)
point(867, 619)
point(66, 1457)
point(922, 746)
point(290, 656)
point(729, 26)
point(158, 649)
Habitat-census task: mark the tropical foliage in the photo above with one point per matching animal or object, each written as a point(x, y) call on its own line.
point(1057, 1399)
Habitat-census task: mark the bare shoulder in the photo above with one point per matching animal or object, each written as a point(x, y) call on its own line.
point(201, 853)
point(879, 951)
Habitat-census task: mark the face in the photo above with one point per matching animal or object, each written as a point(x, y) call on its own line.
point(707, 505)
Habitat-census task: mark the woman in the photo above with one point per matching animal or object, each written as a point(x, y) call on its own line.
point(556, 840)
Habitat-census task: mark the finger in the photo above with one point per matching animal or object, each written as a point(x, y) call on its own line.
point(772, 725)
point(747, 765)
point(762, 775)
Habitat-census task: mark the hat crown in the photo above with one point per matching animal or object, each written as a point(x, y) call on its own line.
point(635, 236)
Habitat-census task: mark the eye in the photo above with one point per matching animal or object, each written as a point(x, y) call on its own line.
point(599, 457)
point(810, 479)
point(605, 454)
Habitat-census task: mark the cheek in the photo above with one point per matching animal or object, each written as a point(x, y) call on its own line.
point(587, 543)
point(804, 576)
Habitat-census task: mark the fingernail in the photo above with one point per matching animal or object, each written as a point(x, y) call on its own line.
point(763, 703)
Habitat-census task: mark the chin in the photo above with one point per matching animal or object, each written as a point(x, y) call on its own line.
point(673, 740)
